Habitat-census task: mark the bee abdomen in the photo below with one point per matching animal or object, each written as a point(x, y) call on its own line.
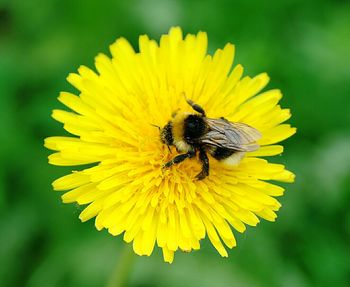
point(221, 153)
point(227, 156)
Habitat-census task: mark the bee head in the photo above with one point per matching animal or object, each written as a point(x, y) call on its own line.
point(166, 134)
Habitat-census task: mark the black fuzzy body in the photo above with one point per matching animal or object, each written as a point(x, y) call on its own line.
point(195, 133)
point(194, 128)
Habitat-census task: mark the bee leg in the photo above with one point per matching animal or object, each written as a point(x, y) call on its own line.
point(196, 107)
point(205, 165)
point(179, 158)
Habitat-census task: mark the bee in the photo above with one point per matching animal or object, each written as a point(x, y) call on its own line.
point(193, 133)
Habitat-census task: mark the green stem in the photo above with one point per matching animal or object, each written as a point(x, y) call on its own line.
point(121, 272)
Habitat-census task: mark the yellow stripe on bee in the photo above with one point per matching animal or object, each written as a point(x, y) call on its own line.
point(178, 131)
point(178, 125)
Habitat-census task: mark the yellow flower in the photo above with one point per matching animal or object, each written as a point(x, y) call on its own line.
point(127, 190)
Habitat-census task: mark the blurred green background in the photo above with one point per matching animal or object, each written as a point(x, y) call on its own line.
point(305, 48)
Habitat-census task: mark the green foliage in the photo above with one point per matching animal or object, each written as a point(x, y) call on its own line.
point(305, 48)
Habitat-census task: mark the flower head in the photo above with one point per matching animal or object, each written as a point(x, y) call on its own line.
point(112, 122)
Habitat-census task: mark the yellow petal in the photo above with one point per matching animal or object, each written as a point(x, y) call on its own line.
point(71, 181)
point(267, 151)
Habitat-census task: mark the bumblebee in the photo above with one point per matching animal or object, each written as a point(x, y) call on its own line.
point(193, 133)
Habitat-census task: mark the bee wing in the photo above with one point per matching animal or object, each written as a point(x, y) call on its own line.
point(226, 134)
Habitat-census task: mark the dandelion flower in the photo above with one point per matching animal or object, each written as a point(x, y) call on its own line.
point(124, 186)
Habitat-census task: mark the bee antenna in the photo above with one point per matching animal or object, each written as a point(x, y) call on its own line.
point(156, 126)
